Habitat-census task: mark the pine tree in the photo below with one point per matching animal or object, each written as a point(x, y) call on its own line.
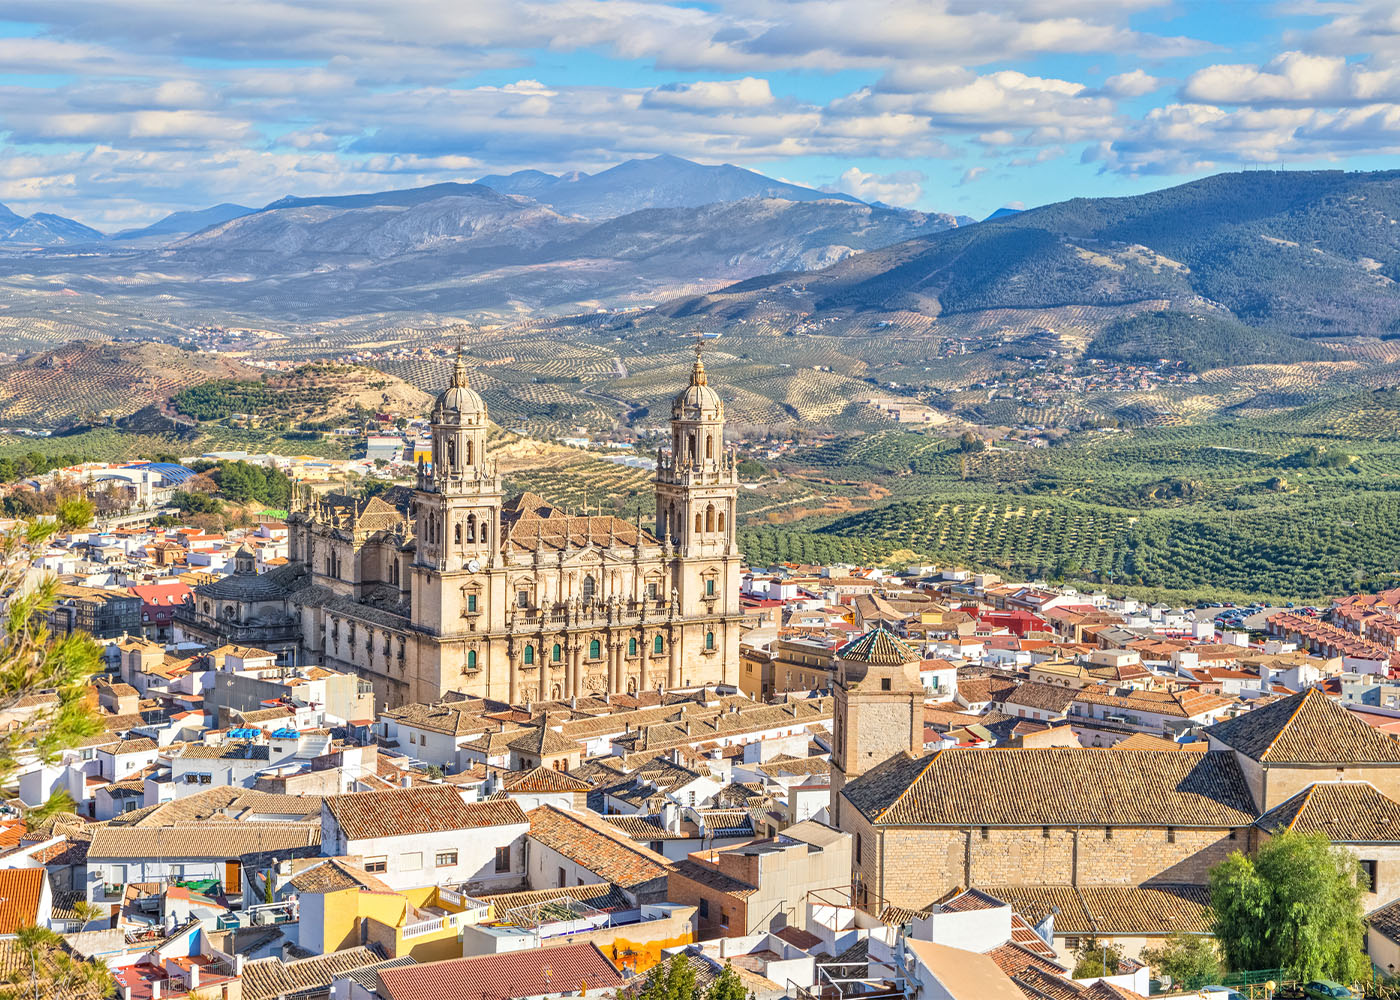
point(31, 660)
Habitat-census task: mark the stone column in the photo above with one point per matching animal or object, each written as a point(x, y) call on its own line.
point(575, 654)
point(643, 655)
point(675, 679)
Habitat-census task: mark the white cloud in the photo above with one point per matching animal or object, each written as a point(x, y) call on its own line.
point(903, 187)
point(1134, 84)
point(710, 95)
point(971, 174)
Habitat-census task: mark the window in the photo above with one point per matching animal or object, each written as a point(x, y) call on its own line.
point(411, 862)
point(723, 917)
point(1232, 834)
point(652, 591)
point(205, 779)
point(376, 866)
point(471, 604)
point(1171, 835)
point(710, 587)
point(1108, 833)
point(692, 799)
point(457, 533)
point(709, 640)
point(631, 647)
point(471, 659)
point(656, 645)
point(522, 598)
point(884, 684)
point(503, 859)
point(858, 848)
point(529, 654)
point(589, 586)
point(445, 859)
point(986, 833)
point(557, 654)
point(1368, 869)
point(704, 908)
point(1072, 943)
point(562, 880)
point(595, 650)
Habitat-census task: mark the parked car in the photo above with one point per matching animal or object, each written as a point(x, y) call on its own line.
point(1325, 989)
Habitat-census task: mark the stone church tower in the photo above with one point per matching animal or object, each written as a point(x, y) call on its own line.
point(879, 708)
point(697, 490)
point(457, 515)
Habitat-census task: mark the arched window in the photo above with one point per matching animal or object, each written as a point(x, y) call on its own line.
point(657, 645)
point(529, 654)
point(469, 451)
point(710, 518)
point(589, 586)
point(557, 654)
point(595, 650)
point(554, 692)
point(471, 527)
point(632, 685)
point(457, 533)
point(451, 452)
point(697, 522)
point(720, 522)
point(471, 659)
point(709, 640)
point(691, 439)
point(709, 446)
point(665, 523)
point(631, 647)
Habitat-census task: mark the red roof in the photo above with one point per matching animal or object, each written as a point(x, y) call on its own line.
point(20, 892)
point(567, 968)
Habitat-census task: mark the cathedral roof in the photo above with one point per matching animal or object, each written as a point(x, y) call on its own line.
point(459, 399)
point(530, 523)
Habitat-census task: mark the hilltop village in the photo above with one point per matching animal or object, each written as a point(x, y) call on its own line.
point(445, 742)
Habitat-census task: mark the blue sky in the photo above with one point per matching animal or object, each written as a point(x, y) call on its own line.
point(116, 112)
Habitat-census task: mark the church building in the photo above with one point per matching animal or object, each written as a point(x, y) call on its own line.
point(452, 587)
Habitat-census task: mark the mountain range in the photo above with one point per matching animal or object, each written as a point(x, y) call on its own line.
point(1296, 254)
point(659, 182)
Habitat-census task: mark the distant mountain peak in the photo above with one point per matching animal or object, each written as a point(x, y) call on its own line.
point(661, 181)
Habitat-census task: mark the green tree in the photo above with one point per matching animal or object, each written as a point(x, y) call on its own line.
point(1295, 905)
point(1190, 960)
point(673, 981)
point(727, 987)
point(1094, 960)
point(969, 441)
point(31, 660)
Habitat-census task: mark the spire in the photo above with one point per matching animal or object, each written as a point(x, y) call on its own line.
point(697, 374)
point(459, 371)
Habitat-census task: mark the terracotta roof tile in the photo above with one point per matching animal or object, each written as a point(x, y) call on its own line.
point(395, 812)
point(274, 977)
point(1055, 787)
point(1113, 909)
point(596, 846)
point(1307, 728)
point(543, 779)
point(1346, 811)
point(20, 890)
point(535, 972)
point(880, 647)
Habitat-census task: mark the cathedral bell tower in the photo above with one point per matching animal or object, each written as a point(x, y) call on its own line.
point(697, 486)
point(457, 509)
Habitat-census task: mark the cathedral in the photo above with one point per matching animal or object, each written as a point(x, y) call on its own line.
point(451, 587)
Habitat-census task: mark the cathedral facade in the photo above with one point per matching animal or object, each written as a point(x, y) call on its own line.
point(452, 587)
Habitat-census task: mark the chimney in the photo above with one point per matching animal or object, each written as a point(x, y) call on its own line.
point(406, 780)
point(194, 977)
point(155, 989)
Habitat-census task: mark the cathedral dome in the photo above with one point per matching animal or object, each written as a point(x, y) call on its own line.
point(698, 396)
point(459, 400)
